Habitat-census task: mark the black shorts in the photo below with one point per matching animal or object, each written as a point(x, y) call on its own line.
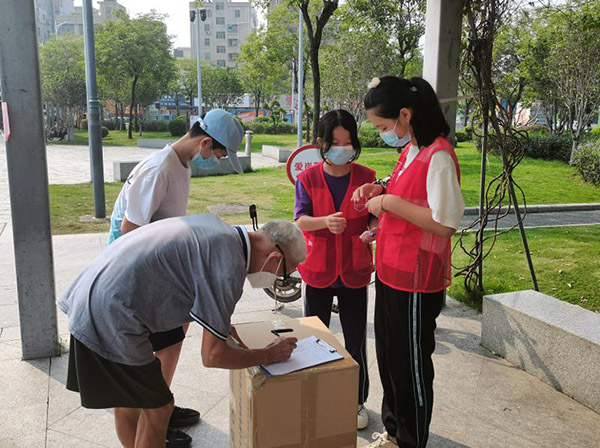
point(164, 339)
point(106, 384)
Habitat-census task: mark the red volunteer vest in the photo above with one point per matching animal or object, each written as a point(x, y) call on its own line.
point(409, 258)
point(345, 255)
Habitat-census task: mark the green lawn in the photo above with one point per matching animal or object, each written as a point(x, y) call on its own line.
point(565, 260)
point(544, 182)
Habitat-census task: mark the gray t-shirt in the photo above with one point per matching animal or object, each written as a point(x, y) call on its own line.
point(157, 278)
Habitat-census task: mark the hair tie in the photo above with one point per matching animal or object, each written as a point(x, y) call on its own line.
point(413, 89)
point(374, 83)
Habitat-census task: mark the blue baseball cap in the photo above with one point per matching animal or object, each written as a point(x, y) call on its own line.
point(226, 130)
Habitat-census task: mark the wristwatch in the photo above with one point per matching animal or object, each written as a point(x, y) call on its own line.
point(383, 182)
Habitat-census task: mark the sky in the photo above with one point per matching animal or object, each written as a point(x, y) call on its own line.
point(178, 19)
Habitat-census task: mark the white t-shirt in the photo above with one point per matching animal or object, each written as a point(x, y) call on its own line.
point(157, 188)
point(443, 190)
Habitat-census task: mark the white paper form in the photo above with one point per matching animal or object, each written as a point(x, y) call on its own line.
point(309, 352)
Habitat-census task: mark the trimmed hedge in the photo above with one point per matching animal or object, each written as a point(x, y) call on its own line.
point(258, 127)
point(587, 161)
point(542, 145)
point(369, 137)
point(156, 126)
point(464, 135)
point(104, 131)
point(177, 126)
point(549, 146)
point(110, 125)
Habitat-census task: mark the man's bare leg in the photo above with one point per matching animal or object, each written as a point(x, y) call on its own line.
point(126, 422)
point(152, 427)
point(169, 357)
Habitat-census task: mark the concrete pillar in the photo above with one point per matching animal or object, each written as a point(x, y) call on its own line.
point(28, 179)
point(248, 149)
point(441, 63)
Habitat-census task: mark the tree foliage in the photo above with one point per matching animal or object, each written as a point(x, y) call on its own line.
point(135, 53)
point(62, 67)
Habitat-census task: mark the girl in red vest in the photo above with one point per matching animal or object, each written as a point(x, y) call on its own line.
point(338, 262)
point(419, 210)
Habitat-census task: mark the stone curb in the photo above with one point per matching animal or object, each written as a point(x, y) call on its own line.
point(546, 208)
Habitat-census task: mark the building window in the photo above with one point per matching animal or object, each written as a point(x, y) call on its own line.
point(209, 13)
point(220, 21)
point(237, 13)
point(207, 56)
point(220, 6)
point(232, 56)
point(207, 28)
point(221, 63)
point(232, 28)
point(207, 42)
point(220, 49)
point(233, 42)
point(220, 34)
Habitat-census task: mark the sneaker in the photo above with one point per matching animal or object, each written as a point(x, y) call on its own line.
point(363, 417)
point(383, 441)
point(177, 439)
point(182, 417)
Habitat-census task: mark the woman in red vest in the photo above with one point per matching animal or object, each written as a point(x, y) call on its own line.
point(419, 210)
point(338, 262)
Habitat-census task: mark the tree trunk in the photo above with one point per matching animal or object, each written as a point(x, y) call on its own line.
point(122, 112)
point(132, 105)
point(314, 57)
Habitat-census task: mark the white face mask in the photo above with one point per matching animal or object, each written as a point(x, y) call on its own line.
point(263, 279)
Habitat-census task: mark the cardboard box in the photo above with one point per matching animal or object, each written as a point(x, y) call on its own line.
point(313, 408)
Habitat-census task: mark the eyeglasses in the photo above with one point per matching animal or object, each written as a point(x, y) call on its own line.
point(285, 272)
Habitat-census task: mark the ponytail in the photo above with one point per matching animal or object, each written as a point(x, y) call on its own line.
point(392, 94)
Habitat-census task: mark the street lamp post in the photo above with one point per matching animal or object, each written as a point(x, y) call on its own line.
point(300, 78)
point(198, 15)
point(94, 130)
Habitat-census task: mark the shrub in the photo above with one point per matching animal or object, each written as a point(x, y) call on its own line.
point(543, 145)
point(104, 131)
point(83, 125)
point(258, 127)
point(462, 136)
point(587, 161)
point(109, 124)
point(369, 137)
point(177, 126)
point(534, 128)
point(157, 126)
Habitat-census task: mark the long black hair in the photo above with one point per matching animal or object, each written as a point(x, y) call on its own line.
point(332, 120)
point(393, 93)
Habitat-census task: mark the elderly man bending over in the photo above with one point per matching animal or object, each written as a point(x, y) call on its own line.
point(157, 278)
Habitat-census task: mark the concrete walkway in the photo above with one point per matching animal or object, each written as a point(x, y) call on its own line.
point(481, 400)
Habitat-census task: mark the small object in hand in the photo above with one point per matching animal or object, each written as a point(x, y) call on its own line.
point(368, 234)
point(361, 204)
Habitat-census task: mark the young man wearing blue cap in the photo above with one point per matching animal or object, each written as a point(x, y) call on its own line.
point(158, 188)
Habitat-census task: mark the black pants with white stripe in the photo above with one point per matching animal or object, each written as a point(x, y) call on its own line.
point(404, 337)
point(353, 316)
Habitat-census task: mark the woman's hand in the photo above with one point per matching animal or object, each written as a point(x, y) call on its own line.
point(366, 191)
point(336, 223)
point(375, 205)
point(369, 236)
